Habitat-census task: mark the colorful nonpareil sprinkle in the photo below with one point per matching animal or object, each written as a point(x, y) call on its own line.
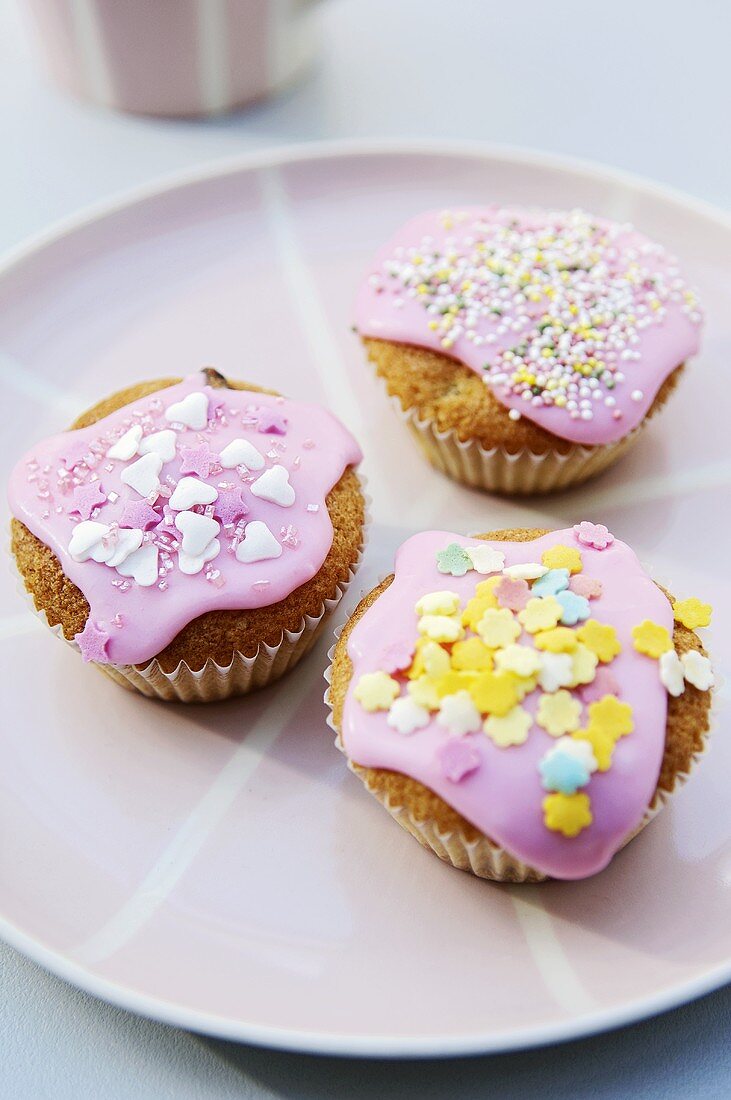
point(573, 321)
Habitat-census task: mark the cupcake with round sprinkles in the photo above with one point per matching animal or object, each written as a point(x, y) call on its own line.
point(523, 702)
point(525, 349)
point(189, 537)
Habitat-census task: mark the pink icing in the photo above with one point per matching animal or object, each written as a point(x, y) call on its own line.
point(139, 621)
point(642, 321)
point(503, 797)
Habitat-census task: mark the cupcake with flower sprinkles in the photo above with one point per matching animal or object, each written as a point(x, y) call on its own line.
point(189, 537)
point(524, 349)
point(522, 702)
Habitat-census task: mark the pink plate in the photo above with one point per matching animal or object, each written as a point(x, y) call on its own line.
point(218, 867)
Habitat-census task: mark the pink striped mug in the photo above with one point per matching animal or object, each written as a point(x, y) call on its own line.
point(174, 57)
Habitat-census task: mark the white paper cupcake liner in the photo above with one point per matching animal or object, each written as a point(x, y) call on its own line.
point(482, 857)
point(499, 471)
point(214, 682)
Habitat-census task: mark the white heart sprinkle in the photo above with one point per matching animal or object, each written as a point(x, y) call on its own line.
point(484, 559)
point(191, 411)
point(143, 475)
point(526, 571)
point(160, 443)
point(85, 537)
point(191, 491)
point(127, 445)
point(239, 452)
point(141, 565)
point(125, 543)
point(274, 485)
point(258, 543)
point(197, 532)
point(192, 564)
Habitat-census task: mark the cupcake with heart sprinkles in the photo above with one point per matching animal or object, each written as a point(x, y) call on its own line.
point(525, 349)
point(523, 702)
point(189, 537)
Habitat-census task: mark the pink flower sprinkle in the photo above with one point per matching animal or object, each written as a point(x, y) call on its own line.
point(396, 657)
point(604, 683)
point(512, 592)
point(595, 535)
point(588, 587)
point(458, 757)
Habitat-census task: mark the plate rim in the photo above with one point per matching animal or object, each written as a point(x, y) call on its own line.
point(297, 1039)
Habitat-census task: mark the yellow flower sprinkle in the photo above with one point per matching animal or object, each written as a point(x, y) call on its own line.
point(429, 658)
point(498, 627)
point(611, 717)
point(508, 729)
point(600, 638)
point(441, 628)
point(483, 600)
point(563, 557)
point(452, 682)
point(376, 691)
point(559, 640)
point(494, 692)
point(567, 813)
point(651, 638)
point(692, 613)
point(523, 660)
point(423, 692)
point(583, 665)
point(471, 655)
point(541, 614)
point(437, 603)
point(601, 743)
point(559, 713)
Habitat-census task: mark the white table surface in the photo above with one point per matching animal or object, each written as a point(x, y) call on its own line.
point(642, 86)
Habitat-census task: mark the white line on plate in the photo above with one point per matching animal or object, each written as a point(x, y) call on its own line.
point(182, 850)
point(558, 974)
point(17, 377)
point(327, 359)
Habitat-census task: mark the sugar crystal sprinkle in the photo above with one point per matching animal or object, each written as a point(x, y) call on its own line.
point(558, 300)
